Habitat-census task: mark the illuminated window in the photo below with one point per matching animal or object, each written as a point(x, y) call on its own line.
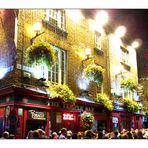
point(98, 40)
point(58, 71)
point(125, 56)
point(56, 17)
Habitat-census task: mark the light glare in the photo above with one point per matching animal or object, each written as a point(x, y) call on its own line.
point(37, 26)
point(75, 14)
point(137, 43)
point(102, 17)
point(120, 31)
point(83, 83)
point(88, 51)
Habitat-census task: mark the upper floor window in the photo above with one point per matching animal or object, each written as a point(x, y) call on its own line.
point(125, 56)
point(58, 71)
point(56, 17)
point(98, 40)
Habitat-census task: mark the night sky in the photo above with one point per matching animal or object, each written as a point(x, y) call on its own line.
point(136, 22)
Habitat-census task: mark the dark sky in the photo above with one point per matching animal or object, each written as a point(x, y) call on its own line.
point(136, 23)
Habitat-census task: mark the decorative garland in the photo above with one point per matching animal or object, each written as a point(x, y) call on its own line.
point(128, 83)
point(61, 91)
point(104, 99)
point(41, 53)
point(86, 120)
point(94, 73)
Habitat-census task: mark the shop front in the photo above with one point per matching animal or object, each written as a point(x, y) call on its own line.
point(22, 110)
point(121, 118)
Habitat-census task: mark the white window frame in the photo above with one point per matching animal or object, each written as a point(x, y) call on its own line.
point(98, 40)
point(58, 15)
point(57, 74)
point(125, 57)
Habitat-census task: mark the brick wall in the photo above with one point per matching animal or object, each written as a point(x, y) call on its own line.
point(79, 37)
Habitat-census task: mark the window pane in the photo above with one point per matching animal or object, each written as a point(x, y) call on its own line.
point(56, 17)
point(57, 74)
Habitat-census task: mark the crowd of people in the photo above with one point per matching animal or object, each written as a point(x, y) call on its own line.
point(87, 134)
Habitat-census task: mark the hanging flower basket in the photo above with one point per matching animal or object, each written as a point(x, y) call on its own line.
point(104, 99)
point(132, 106)
point(87, 120)
point(61, 91)
point(128, 84)
point(145, 109)
point(94, 73)
point(41, 53)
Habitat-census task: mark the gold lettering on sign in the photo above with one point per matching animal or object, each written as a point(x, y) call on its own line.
point(37, 115)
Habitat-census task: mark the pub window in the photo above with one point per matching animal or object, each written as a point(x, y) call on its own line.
point(58, 71)
point(56, 17)
point(98, 40)
point(124, 55)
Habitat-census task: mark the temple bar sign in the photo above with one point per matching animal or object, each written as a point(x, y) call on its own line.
point(32, 114)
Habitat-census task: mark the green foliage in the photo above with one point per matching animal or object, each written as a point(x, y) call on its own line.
point(132, 106)
point(145, 109)
point(94, 73)
point(41, 53)
point(87, 120)
point(61, 91)
point(104, 99)
point(128, 83)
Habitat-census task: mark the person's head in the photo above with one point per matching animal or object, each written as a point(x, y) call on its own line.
point(116, 133)
point(130, 135)
point(41, 133)
point(100, 135)
point(64, 131)
point(35, 134)
point(30, 134)
point(69, 134)
point(80, 135)
point(89, 134)
point(55, 135)
point(124, 136)
point(6, 135)
point(140, 134)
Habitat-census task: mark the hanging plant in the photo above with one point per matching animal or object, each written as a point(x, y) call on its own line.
point(86, 120)
point(145, 109)
point(41, 53)
point(94, 73)
point(132, 106)
point(104, 99)
point(61, 91)
point(128, 83)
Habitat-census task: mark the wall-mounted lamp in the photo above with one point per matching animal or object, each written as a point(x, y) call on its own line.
point(37, 27)
point(137, 43)
point(121, 73)
point(120, 31)
point(87, 55)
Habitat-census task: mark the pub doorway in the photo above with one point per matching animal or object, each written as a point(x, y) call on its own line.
point(34, 125)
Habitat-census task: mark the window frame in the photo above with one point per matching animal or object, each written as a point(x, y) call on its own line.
point(56, 74)
point(56, 15)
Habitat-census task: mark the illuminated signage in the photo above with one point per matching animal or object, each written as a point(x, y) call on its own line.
point(32, 114)
point(68, 116)
point(114, 120)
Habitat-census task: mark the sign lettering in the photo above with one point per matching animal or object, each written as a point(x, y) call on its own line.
point(68, 116)
point(36, 115)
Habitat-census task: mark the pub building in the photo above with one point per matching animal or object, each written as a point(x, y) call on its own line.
point(25, 109)
point(24, 104)
point(123, 119)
